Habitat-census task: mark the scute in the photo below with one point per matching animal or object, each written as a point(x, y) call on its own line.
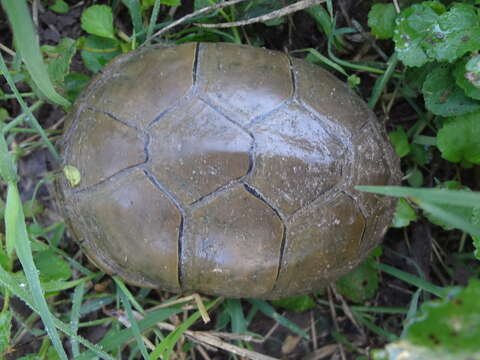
point(330, 98)
point(135, 227)
point(292, 146)
point(195, 150)
point(242, 81)
point(141, 87)
point(323, 239)
point(102, 146)
point(232, 246)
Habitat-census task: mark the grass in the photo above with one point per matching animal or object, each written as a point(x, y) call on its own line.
point(137, 321)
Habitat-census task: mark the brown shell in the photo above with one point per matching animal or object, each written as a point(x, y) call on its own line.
point(226, 170)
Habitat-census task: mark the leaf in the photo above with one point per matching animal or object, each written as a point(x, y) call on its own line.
point(415, 177)
point(73, 85)
point(98, 20)
point(420, 154)
point(399, 140)
point(98, 51)
point(449, 326)
point(361, 284)
point(296, 303)
point(425, 32)
point(26, 43)
point(17, 233)
point(269, 311)
point(463, 212)
point(443, 96)
point(135, 11)
point(404, 214)
point(5, 330)
point(59, 59)
point(476, 239)
point(458, 139)
point(165, 348)
point(466, 81)
point(473, 70)
point(51, 266)
point(381, 20)
point(60, 6)
point(435, 196)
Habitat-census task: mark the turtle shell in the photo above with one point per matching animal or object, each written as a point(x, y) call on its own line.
point(226, 170)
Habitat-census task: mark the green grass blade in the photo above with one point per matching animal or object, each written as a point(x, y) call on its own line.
point(118, 338)
point(268, 310)
point(413, 280)
point(133, 322)
point(136, 15)
point(129, 295)
point(374, 328)
point(235, 310)
point(11, 283)
point(30, 118)
point(27, 45)
point(153, 20)
point(15, 227)
point(164, 349)
point(437, 196)
point(450, 218)
point(383, 80)
point(75, 316)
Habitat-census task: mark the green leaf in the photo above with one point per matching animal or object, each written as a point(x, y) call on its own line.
point(399, 140)
point(296, 303)
point(98, 51)
point(420, 154)
point(135, 11)
point(361, 284)
point(51, 266)
point(404, 214)
point(5, 330)
point(449, 326)
point(8, 168)
point(458, 139)
point(98, 20)
point(476, 239)
point(165, 348)
point(26, 43)
point(466, 79)
point(415, 177)
point(435, 196)
point(443, 96)
point(73, 85)
point(473, 70)
point(425, 32)
point(59, 58)
point(60, 6)
point(17, 233)
point(381, 20)
point(463, 212)
point(269, 311)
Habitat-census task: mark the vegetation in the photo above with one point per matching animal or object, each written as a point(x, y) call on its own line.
point(415, 297)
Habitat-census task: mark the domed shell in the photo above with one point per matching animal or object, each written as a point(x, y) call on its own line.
point(226, 170)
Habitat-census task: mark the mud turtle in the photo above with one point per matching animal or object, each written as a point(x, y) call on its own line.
point(224, 169)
